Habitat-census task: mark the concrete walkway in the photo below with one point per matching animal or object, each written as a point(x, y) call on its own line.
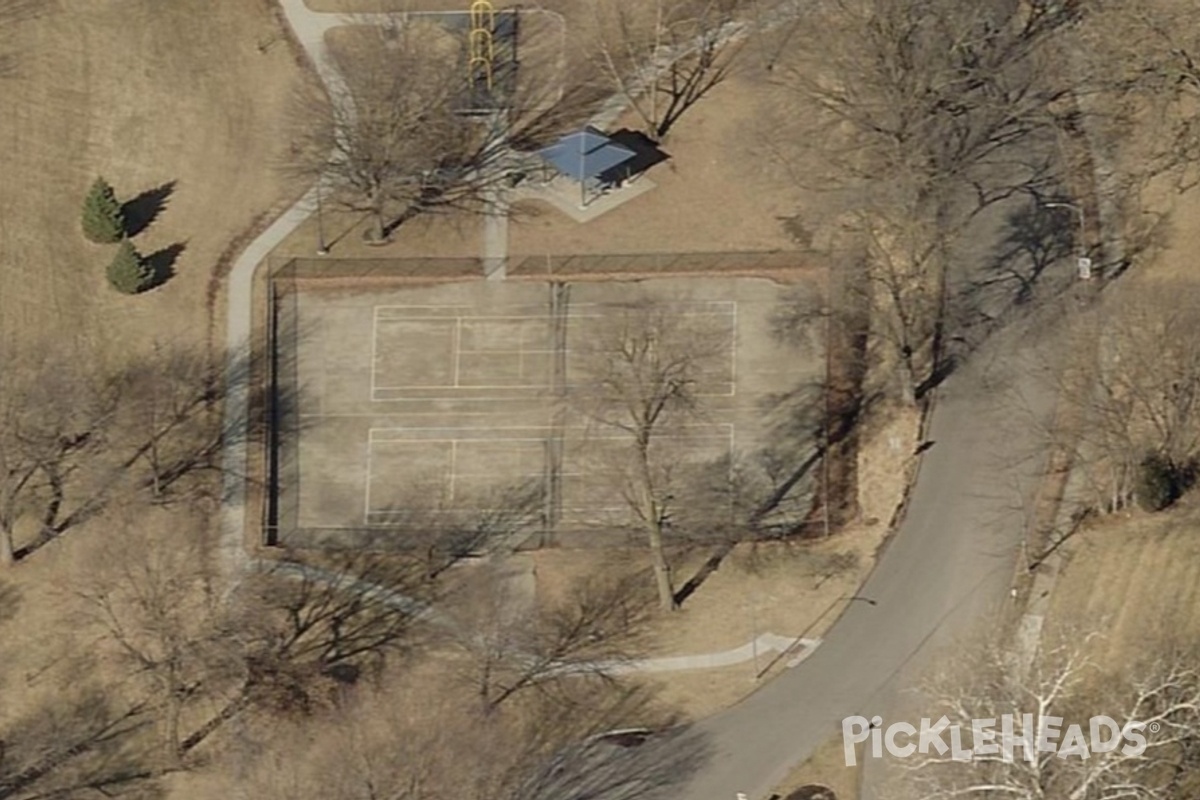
point(232, 544)
point(309, 28)
point(752, 650)
point(766, 643)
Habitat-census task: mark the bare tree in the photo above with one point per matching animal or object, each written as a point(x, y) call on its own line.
point(78, 744)
point(641, 371)
point(664, 56)
point(284, 641)
point(303, 624)
point(906, 273)
point(419, 742)
point(74, 434)
point(54, 416)
point(1130, 389)
point(441, 532)
point(1143, 58)
point(935, 95)
point(64, 733)
point(910, 117)
point(169, 419)
point(391, 141)
point(152, 594)
point(511, 648)
point(1060, 691)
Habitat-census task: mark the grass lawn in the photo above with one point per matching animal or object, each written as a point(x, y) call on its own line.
point(183, 97)
point(1136, 577)
point(188, 94)
point(826, 768)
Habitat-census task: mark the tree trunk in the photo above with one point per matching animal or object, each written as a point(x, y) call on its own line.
point(662, 569)
point(378, 226)
point(7, 552)
point(908, 380)
point(172, 746)
point(652, 518)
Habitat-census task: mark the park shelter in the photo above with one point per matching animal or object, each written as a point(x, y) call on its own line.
point(584, 156)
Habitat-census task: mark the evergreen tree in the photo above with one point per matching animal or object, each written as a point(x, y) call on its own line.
point(102, 220)
point(1157, 483)
point(127, 272)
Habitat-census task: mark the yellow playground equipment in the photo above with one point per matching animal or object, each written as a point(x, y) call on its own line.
point(482, 55)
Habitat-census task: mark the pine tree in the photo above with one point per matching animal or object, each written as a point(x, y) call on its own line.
point(102, 220)
point(127, 272)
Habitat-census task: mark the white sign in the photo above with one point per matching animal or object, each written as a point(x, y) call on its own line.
point(1038, 734)
point(1085, 269)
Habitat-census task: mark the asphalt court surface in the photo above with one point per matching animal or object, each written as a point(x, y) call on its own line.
point(430, 351)
point(445, 397)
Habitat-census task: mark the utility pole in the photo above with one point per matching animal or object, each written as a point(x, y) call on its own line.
point(754, 631)
point(322, 248)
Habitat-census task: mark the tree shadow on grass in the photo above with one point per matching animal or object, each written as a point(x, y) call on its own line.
point(141, 211)
point(162, 264)
point(10, 602)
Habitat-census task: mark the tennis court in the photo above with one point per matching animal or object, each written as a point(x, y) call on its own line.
point(453, 397)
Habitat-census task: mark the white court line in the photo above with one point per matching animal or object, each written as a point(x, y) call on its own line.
point(536, 307)
point(497, 351)
point(367, 491)
point(722, 426)
point(453, 468)
point(591, 510)
point(376, 414)
point(458, 319)
point(467, 398)
point(538, 317)
point(457, 349)
point(538, 440)
point(733, 353)
point(374, 348)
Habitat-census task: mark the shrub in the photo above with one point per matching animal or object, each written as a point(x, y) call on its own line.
point(127, 272)
point(102, 221)
point(1158, 483)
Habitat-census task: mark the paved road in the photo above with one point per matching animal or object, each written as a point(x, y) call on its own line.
point(952, 558)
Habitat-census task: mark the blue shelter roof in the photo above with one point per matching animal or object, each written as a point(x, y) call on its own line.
point(585, 154)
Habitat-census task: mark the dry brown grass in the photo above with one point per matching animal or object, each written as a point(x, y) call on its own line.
point(1136, 577)
point(720, 190)
point(826, 767)
point(144, 93)
point(1180, 235)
